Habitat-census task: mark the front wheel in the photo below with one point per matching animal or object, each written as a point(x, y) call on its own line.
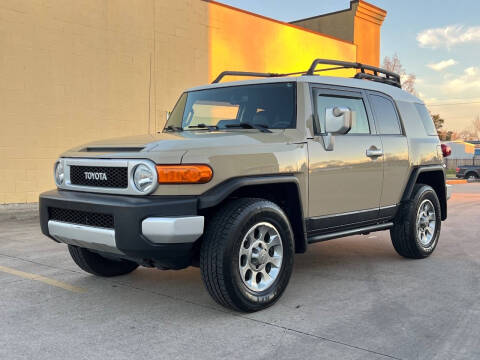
point(417, 227)
point(96, 264)
point(247, 253)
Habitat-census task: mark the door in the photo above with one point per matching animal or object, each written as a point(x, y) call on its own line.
point(395, 149)
point(345, 183)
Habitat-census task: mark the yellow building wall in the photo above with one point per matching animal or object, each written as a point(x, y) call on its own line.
point(243, 41)
point(77, 71)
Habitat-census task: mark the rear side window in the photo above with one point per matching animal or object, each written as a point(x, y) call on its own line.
point(385, 115)
point(426, 119)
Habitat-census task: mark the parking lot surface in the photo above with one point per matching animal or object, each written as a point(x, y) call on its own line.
point(350, 298)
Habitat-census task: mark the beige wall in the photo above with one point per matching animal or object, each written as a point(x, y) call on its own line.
point(339, 24)
point(76, 71)
point(181, 51)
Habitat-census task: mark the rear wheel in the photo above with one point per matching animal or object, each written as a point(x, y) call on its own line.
point(247, 254)
point(96, 264)
point(417, 227)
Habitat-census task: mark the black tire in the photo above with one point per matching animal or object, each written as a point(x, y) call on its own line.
point(96, 264)
point(404, 234)
point(471, 175)
point(219, 255)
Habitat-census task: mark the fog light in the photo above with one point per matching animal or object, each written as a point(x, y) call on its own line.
point(59, 173)
point(144, 178)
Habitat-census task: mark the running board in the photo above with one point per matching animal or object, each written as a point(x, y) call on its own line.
point(344, 233)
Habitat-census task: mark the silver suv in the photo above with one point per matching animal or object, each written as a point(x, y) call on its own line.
point(246, 174)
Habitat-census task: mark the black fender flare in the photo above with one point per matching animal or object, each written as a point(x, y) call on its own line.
point(412, 180)
point(220, 192)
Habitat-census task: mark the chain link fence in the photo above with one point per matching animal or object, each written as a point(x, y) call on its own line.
point(454, 163)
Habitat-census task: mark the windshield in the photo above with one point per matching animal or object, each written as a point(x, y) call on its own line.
point(270, 106)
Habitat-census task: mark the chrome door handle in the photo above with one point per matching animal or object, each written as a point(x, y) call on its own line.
point(374, 152)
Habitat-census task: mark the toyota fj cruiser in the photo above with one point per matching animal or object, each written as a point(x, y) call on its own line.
point(246, 174)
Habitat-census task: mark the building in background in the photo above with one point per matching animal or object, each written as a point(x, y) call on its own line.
point(460, 149)
point(463, 153)
point(76, 71)
point(360, 25)
point(474, 142)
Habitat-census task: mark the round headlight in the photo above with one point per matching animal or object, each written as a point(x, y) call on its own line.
point(59, 173)
point(144, 178)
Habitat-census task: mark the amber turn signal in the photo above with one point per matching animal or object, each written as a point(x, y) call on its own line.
point(184, 174)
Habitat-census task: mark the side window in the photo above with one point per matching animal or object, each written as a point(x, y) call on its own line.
point(426, 119)
point(356, 105)
point(385, 115)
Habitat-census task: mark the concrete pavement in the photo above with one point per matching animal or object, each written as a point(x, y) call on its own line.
point(350, 298)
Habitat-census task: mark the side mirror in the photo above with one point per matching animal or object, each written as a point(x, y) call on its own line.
point(338, 121)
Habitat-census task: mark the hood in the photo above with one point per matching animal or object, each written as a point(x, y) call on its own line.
point(172, 146)
point(138, 141)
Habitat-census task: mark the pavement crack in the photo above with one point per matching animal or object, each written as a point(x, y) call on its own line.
point(217, 309)
point(300, 332)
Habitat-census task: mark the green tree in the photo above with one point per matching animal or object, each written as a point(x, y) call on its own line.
point(438, 121)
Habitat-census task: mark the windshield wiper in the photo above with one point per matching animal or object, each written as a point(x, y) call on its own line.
point(246, 125)
point(203, 126)
point(172, 128)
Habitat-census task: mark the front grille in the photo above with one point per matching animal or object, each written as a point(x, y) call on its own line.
point(99, 176)
point(81, 217)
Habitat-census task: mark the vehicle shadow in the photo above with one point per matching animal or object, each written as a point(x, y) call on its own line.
point(356, 258)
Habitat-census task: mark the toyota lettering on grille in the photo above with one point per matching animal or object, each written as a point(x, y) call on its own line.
point(95, 176)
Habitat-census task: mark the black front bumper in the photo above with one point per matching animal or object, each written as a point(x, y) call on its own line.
point(128, 213)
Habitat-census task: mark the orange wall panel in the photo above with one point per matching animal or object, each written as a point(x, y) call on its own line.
point(367, 37)
point(242, 41)
point(367, 25)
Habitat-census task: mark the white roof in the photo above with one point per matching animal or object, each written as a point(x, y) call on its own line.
point(396, 93)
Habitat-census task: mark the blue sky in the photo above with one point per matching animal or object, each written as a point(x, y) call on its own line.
point(443, 34)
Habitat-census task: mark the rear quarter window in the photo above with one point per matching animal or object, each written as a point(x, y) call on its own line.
point(426, 119)
point(386, 117)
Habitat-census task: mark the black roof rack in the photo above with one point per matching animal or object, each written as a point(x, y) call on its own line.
point(244, 73)
point(378, 74)
point(374, 73)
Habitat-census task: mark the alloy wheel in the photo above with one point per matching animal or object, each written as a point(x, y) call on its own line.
point(260, 256)
point(426, 223)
